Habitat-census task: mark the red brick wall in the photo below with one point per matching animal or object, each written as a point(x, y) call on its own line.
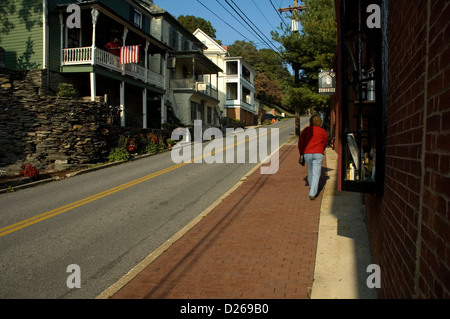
point(409, 226)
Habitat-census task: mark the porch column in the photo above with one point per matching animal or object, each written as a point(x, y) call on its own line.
point(163, 111)
point(147, 43)
point(124, 39)
point(94, 14)
point(165, 96)
point(144, 108)
point(93, 86)
point(193, 71)
point(122, 85)
point(122, 104)
point(164, 72)
point(217, 85)
point(252, 100)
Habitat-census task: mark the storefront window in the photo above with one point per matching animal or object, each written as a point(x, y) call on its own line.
point(364, 67)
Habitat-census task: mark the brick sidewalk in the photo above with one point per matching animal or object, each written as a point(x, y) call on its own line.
point(260, 242)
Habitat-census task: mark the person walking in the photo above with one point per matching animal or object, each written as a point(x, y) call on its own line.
point(311, 144)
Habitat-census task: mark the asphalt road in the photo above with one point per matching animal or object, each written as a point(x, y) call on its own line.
point(104, 222)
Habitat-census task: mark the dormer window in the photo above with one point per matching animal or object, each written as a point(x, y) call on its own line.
point(137, 18)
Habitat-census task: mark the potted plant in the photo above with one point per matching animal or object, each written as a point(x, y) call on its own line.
point(170, 142)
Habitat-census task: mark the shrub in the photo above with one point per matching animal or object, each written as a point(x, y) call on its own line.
point(151, 148)
point(66, 90)
point(119, 154)
point(131, 145)
point(28, 170)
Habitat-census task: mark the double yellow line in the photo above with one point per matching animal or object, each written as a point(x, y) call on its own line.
point(38, 218)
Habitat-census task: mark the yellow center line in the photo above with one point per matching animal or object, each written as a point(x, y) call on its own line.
point(41, 217)
point(33, 220)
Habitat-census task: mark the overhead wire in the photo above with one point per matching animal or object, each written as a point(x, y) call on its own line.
point(258, 33)
point(235, 19)
point(270, 45)
point(223, 20)
point(279, 14)
point(263, 14)
point(245, 27)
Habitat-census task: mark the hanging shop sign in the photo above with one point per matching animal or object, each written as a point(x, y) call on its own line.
point(327, 82)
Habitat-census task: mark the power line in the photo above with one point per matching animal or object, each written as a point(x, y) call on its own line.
point(222, 20)
point(255, 32)
point(263, 14)
point(260, 32)
point(245, 27)
point(278, 13)
point(234, 18)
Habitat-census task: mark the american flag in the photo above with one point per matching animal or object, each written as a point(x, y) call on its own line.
point(129, 54)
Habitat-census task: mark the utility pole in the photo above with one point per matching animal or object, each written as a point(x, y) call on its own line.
point(294, 8)
point(295, 66)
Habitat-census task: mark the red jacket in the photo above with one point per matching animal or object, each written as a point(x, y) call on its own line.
point(313, 140)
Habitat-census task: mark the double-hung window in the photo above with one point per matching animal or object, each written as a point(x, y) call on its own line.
point(137, 18)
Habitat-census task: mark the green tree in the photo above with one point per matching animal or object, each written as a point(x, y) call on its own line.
point(193, 23)
point(309, 51)
point(268, 91)
point(273, 65)
point(247, 50)
point(272, 74)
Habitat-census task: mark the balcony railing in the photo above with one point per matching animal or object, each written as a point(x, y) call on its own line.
point(232, 103)
point(107, 60)
point(236, 78)
point(77, 56)
point(80, 56)
point(191, 84)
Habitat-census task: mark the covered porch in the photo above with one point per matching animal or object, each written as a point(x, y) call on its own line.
point(88, 50)
point(191, 70)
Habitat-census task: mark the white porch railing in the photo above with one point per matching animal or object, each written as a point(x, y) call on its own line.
point(191, 84)
point(80, 56)
point(107, 60)
point(77, 56)
point(155, 78)
point(135, 71)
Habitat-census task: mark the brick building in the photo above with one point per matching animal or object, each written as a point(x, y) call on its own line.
point(404, 47)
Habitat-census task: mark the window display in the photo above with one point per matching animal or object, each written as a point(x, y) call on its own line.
point(363, 98)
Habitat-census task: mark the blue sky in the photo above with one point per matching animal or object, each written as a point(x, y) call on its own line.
point(261, 16)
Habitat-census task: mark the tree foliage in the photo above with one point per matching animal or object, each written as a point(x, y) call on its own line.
point(193, 23)
point(309, 51)
point(247, 50)
point(268, 91)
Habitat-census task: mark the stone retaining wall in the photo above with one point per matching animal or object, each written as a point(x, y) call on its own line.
point(44, 130)
point(50, 132)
